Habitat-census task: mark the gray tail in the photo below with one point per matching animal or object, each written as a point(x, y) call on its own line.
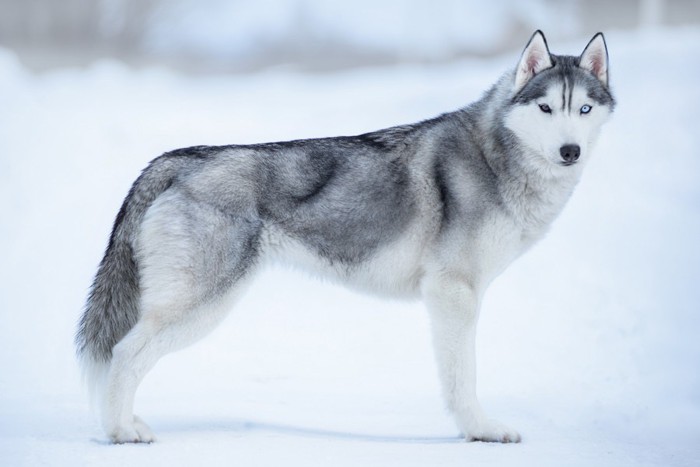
point(112, 307)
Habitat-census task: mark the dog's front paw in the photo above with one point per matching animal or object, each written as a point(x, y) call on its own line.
point(491, 431)
point(137, 432)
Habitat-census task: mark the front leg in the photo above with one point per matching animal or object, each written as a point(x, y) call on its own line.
point(454, 310)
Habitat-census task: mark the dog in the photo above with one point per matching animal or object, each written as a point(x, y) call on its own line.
point(432, 210)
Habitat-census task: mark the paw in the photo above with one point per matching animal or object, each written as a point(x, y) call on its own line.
point(491, 431)
point(136, 432)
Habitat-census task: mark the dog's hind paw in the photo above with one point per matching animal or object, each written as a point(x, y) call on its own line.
point(491, 431)
point(137, 432)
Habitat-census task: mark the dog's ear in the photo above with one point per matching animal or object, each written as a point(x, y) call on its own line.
point(594, 58)
point(534, 59)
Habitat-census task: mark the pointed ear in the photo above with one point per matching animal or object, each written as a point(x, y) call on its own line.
point(594, 58)
point(535, 58)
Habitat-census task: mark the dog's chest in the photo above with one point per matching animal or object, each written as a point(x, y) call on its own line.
point(496, 245)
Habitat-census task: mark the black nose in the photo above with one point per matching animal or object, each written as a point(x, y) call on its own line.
point(570, 153)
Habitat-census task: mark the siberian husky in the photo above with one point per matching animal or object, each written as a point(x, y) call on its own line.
point(434, 210)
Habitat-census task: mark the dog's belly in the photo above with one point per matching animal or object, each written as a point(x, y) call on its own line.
point(394, 270)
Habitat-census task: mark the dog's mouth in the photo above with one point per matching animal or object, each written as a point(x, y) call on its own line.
point(567, 163)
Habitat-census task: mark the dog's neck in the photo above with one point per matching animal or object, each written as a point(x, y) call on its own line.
point(535, 201)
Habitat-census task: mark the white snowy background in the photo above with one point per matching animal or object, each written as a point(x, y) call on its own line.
point(588, 345)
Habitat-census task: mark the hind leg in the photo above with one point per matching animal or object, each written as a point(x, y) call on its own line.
point(193, 263)
point(132, 358)
point(155, 335)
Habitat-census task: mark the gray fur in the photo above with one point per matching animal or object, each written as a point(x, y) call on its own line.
point(217, 212)
point(112, 307)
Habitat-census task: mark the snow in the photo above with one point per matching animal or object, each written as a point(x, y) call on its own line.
point(588, 344)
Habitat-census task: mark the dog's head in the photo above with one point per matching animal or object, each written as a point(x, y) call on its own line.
point(559, 103)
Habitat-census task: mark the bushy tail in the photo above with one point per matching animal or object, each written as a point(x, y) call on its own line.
point(112, 307)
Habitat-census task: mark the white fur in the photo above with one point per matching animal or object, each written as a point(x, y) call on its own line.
point(544, 133)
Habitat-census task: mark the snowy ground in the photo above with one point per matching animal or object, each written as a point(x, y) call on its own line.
point(588, 345)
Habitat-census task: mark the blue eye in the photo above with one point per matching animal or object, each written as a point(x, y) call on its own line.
point(545, 108)
point(585, 109)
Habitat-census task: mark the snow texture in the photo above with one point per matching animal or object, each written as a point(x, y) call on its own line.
point(587, 345)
